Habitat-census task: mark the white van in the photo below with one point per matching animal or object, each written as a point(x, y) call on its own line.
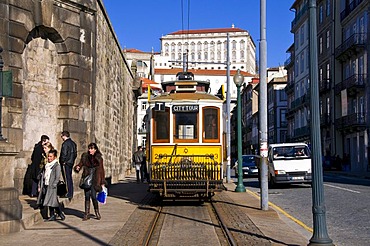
point(289, 163)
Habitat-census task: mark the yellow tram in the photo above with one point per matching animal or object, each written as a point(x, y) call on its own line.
point(185, 140)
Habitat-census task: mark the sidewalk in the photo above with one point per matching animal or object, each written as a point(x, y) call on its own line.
point(123, 199)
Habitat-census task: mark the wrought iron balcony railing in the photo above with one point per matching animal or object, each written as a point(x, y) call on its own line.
point(299, 15)
point(353, 84)
point(351, 46)
point(349, 8)
point(352, 122)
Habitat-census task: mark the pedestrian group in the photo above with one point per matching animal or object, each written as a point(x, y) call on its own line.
point(46, 173)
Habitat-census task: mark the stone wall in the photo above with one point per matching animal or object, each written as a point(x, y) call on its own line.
point(69, 73)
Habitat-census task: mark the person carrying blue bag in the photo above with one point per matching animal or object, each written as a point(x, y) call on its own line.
point(92, 164)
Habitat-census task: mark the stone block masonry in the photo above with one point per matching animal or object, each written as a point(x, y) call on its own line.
point(69, 73)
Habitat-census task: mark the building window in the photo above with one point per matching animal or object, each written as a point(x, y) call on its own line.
point(361, 65)
point(242, 54)
point(186, 47)
point(328, 7)
point(233, 45)
point(143, 106)
point(296, 67)
point(199, 46)
point(328, 71)
point(233, 56)
point(166, 47)
point(283, 118)
point(321, 13)
point(302, 62)
point(302, 33)
point(283, 95)
point(242, 45)
point(212, 47)
point(212, 55)
point(219, 46)
point(206, 56)
point(173, 46)
point(219, 55)
point(320, 45)
point(199, 56)
point(308, 59)
point(192, 46)
point(143, 141)
point(327, 39)
point(296, 39)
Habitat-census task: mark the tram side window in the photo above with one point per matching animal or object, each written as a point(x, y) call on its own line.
point(210, 121)
point(161, 126)
point(186, 125)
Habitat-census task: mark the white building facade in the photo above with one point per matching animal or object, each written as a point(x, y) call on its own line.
point(207, 49)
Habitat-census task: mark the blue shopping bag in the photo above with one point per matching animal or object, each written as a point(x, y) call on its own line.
point(102, 195)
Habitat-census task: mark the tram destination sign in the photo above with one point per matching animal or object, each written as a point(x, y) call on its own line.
point(185, 108)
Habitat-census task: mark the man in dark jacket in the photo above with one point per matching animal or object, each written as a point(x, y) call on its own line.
point(67, 159)
point(137, 159)
point(36, 159)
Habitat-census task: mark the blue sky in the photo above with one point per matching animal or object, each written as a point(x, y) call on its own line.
point(140, 24)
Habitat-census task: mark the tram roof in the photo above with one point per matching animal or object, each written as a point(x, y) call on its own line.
point(186, 96)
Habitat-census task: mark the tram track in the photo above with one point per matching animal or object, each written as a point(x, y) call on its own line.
point(217, 221)
point(223, 225)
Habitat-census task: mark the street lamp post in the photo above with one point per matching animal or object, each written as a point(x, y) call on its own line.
point(239, 80)
point(320, 234)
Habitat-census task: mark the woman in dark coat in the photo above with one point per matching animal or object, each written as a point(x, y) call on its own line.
point(92, 161)
point(48, 185)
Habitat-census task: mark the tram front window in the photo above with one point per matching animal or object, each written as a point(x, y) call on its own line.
point(161, 125)
point(210, 123)
point(186, 125)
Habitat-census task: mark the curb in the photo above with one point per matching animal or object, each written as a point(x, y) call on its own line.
point(31, 216)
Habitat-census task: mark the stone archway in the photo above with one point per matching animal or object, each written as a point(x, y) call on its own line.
point(40, 92)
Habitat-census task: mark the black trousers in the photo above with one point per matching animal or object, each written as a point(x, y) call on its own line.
point(90, 194)
point(67, 171)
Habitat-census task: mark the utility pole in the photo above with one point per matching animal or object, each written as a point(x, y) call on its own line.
point(320, 235)
point(263, 109)
point(228, 99)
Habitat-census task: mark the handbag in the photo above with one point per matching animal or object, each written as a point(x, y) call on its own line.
point(86, 182)
point(102, 196)
point(61, 188)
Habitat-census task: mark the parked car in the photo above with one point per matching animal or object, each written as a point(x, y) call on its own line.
point(250, 165)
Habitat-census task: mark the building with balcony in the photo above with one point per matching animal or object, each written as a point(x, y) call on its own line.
point(344, 90)
point(250, 117)
point(276, 106)
point(326, 63)
point(352, 88)
point(298, 81)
